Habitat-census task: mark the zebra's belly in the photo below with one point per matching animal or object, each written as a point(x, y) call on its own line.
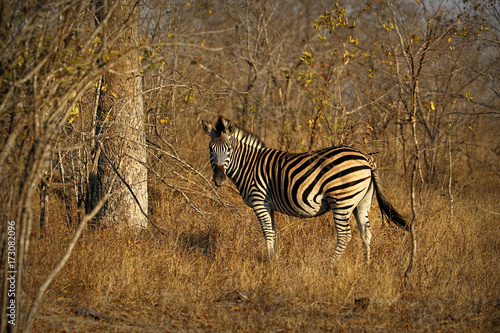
point(307, 210)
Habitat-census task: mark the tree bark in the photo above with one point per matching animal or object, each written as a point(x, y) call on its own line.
point(122, 149)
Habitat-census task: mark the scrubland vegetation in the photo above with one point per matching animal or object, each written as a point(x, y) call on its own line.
point(413, 83)
point(211, 272)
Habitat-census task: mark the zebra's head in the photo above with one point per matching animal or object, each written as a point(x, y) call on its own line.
point(220, 148)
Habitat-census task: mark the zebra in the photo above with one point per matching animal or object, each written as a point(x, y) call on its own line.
point(341, 179)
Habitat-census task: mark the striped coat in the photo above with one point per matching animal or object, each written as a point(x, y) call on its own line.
point(338, 179)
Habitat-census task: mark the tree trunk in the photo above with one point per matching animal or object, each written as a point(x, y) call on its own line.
point(122, 149)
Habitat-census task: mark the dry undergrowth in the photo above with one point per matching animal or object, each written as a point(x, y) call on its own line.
point(209, 273)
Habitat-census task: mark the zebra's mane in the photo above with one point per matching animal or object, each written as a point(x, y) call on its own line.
point(240, 134)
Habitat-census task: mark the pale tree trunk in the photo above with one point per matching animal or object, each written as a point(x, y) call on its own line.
point(122, 147)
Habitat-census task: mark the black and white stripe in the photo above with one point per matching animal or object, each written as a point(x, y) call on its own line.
point(340, 179)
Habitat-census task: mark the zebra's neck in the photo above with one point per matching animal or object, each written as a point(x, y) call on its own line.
point(245, 148)
point(244, 138)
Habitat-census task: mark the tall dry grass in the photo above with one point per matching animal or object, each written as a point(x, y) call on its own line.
point(210, 273)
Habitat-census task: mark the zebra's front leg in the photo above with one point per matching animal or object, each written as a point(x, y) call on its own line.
point(266, 219)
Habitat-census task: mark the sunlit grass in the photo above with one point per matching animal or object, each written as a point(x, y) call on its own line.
point(211, 273)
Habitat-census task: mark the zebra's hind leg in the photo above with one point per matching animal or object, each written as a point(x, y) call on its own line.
point(361, 214)
point(364, 230)
point(343, 229)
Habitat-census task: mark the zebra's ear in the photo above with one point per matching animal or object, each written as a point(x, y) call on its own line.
point(229, 130)
point(207, 128)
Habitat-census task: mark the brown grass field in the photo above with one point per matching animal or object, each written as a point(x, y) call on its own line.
point(209, 272)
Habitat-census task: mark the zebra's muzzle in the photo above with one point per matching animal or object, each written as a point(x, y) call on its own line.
point(219, 175)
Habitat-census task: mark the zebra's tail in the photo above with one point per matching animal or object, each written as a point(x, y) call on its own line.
point(386, 207)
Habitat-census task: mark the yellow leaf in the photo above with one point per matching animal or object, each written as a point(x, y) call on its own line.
point(236, 308)
point(432, 106)
point(449, 40)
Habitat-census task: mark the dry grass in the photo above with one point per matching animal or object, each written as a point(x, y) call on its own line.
point(210, 272)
